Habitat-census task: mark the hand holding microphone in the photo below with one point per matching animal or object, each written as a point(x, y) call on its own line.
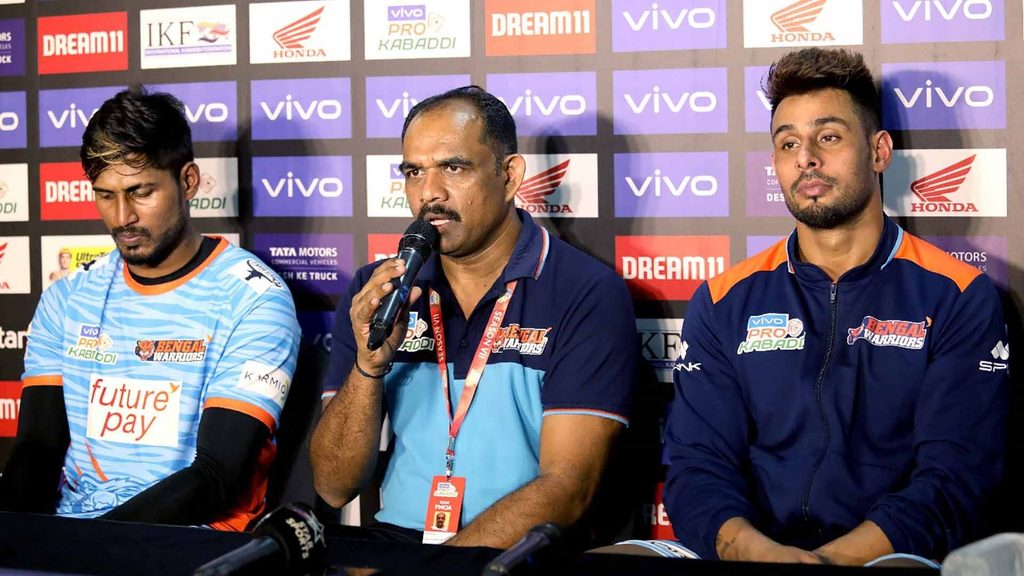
point(417, 244)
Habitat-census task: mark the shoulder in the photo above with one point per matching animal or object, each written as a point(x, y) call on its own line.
point(241, 271)
point(934, 260)
point(767, 261)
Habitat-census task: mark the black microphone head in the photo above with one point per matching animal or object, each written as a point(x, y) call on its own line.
point(295, 527)
point(421, 237)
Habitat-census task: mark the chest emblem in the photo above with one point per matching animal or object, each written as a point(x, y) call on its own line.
point(898, 333)
point(772, 331)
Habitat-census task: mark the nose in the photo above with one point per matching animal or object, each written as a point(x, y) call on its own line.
point(433, 188)
point(125, 211)
point(807, 157)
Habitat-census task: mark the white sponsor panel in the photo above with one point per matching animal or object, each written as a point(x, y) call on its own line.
point(13, 192)
point(188, 37)
point(218, 189)
point(946, 183)
point(660, 343)
point(14, 265)
point(422, 29)
point(313, 31)
point(784, 23)
point(559, 185)
point(63, 255)
point(385, 187)
point(265, 380)
point(133, 411)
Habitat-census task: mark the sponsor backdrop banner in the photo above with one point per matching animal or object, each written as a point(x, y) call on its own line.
point(644, 126)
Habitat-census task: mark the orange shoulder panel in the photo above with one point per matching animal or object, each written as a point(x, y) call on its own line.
point(766, 261)
point(45, 380)
point(933, 259)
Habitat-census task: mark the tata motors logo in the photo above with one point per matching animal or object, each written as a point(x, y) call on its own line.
point(13, 192)
point(944, 95)
point(65, 192)
point(559, 186)
point(890, 333)
point(390, 98)
point(563, 103)
point(530, 27)
point(301, 109)
point(918, 21)
point(317, 31)
point(660, 343)
point(678, 101)
point(986, 253)
point(10, 407)
point(302, 186)
point(426, 29)
point(668, 25)
point(780, 23)
point(218, 189)
point(188, 37)
point(946, 182)
point(669, 267)
point(83, 43)
point(672, 184)
point(64, 114)
point(12, 47)
point(14, 265)
point(770, 332)
point(12, 120)
point(385, 187)
point(315, 265)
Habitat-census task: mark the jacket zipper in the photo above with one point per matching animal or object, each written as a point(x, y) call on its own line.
point(805, 505)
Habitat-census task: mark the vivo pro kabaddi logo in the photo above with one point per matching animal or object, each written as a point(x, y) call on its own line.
point(773, 331)
point(898, 333)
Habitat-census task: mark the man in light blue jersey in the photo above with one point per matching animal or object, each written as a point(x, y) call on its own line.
point(155, 375)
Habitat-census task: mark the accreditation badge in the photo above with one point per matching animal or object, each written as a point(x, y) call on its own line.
point(443, 509)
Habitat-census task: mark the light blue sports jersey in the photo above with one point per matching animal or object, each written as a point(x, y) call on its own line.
point(138, 365)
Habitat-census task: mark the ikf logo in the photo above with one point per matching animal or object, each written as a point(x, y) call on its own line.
point(10, 406)
point(65, 192)
point(563, 103)
point(532, 27)
point(764, 193)
point(385, 187)
point(301, 109)
point(917, 21)
point(946, 183)
point(63, 114)
point(13, 192)
point(779, 23)
point(319, 265)
point(660, 343)
point(209, 107)
point(986, 253)
point(679, 101)
point(281, 32)
point(188, 37)
point(14, 265)
point(758, 107)
point(381, 246)
point(12, 120)
point(218, 189)
point(426, 29)
point(83, 43)
point(668, 25)
point(944, 95)
point(12, 47)
point(389, 99)
point(669, 267)
point(672, 184)
point(559, 186)
point(302, 186)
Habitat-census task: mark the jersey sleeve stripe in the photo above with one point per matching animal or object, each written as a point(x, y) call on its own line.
point(44, 380)
point(588, 412)
point(243, 407)
point(766, 261)
point(933, 259)
point(167, 287)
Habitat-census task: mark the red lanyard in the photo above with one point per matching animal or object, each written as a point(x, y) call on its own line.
point(476, 367)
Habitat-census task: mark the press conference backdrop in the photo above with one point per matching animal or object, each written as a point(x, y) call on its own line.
point(643, 124)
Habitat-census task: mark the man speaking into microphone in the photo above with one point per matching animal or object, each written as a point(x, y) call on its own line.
point(508, 373)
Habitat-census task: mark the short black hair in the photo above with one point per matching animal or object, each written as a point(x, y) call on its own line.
point(499, 128)
point(139, 129)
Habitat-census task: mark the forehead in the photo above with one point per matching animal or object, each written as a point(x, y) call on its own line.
point(116, 176)
point(804, 109)
point(454, 125)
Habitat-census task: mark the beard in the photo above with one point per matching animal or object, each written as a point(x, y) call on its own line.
point(164, 244)
point(846, 206)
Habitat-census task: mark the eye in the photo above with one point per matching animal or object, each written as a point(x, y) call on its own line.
point(453, 168)
point(411, 172)
point(830, 138)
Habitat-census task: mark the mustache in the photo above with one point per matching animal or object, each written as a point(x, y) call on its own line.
point(436, 209)
point(136, 230)
point(808, 176)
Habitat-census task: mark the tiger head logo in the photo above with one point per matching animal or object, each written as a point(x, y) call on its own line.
point(144, 349)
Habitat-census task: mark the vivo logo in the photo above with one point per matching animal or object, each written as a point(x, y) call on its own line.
point(405, 103)
point(407, 12)
point(930, 9)
point(214, 112)
point(697, 18)
point(528, 103)
point(698, 101)
point(326, 187)
point(73, 114)
point(697, 185)
point(973, 96)
point(292, 109)
point(9, 121)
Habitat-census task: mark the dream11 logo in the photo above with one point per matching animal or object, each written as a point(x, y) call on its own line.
point(669, 267)
point(560, 103)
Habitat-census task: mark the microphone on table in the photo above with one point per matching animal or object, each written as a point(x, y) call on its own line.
point(420, 239)
point(289, 540)
point(537, 539)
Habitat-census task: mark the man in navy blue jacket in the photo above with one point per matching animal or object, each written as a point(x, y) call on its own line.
point(839, 400)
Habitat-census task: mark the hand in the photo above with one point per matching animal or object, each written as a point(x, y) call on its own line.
point(792, 555)
point(366, 302)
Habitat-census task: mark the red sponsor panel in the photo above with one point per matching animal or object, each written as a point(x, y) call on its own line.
point(661, 527)
point(65, 193)
point(83, 43)
point(381, 246)
point(532, 27)
point(10, 405)
point(669, 267)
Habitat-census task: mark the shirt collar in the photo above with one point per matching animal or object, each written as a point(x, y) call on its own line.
point(888, 244)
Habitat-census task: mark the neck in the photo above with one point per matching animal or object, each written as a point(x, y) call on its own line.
point(182, 253)
point(839, 250)
point(472, 275)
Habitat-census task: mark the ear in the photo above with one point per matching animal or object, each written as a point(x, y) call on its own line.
point(513, 169)
point(881, 150)
point(190, 178)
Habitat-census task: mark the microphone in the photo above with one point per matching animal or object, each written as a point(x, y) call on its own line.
point(289, 540)
point(419, 241)
point(538, 538)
